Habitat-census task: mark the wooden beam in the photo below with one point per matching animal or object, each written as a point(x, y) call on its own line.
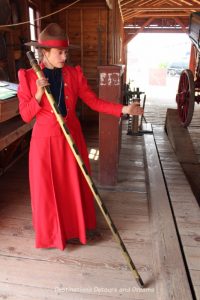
point(109, 4)
point(186, 8)
point(157, 15)
point(179, 22)
point(150, 3)
point(144, 2)
point(154, 30)
point(170, 12)
point(127, 2)
point(130, 13)
point(186, 2)
point(175, 2)
point(184, 27)
point(158, 3)
point(120, 9)
point(139, 30)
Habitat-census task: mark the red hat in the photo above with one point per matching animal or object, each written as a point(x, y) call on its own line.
point(53, 36)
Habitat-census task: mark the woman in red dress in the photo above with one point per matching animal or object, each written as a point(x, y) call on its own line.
point(62, 203)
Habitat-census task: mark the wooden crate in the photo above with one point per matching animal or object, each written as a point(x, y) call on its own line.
point(8, 109)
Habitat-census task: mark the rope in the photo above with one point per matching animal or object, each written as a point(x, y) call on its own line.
point(27, 22)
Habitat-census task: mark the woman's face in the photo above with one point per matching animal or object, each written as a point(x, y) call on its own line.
point(54, 58)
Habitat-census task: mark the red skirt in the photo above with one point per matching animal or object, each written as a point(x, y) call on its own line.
point(62, 203)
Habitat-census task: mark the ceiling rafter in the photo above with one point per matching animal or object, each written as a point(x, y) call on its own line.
point(158, 3)
point(120, 10)
point(132, 14)
point(186, 2)
point(143, 15)
point(126, 2)
point(140, 29)
point(175, 2)
point(178, 21)
point(178, 11)
point(161, 9)
point(144, 2)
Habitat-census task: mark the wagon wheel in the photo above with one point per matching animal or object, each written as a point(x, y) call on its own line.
point(185, 97)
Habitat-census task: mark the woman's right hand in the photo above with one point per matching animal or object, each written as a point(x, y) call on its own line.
point(40, 83)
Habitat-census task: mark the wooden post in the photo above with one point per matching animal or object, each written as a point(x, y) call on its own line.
point(110, 88)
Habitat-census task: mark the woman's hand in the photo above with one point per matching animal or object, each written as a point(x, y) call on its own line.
point(133, 109)
point(40, 83)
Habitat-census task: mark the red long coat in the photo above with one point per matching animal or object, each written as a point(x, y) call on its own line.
point(62, 203)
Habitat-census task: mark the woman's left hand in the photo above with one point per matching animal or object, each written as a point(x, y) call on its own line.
point(133, 109)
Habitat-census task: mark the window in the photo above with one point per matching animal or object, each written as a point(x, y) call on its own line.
point(34, 26)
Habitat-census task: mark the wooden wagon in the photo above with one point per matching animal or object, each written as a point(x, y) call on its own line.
point(189, 83)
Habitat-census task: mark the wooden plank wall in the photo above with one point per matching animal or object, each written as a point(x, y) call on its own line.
point(15, 37)
point(87, 25)
point(116, 35)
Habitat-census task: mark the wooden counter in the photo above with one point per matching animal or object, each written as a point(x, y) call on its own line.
point(8, 109)
point(14, 133)
point(12, 130)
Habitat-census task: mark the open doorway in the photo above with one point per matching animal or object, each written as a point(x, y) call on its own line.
point(154, 64)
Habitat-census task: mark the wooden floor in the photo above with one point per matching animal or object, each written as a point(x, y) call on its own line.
point(184, 206)
point(98, 269)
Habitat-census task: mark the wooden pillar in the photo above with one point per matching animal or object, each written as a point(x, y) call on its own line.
point(110, 88)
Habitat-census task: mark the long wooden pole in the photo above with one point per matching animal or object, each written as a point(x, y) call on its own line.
point(84, 170)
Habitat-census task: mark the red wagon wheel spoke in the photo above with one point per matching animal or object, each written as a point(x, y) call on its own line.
point(185, 97)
